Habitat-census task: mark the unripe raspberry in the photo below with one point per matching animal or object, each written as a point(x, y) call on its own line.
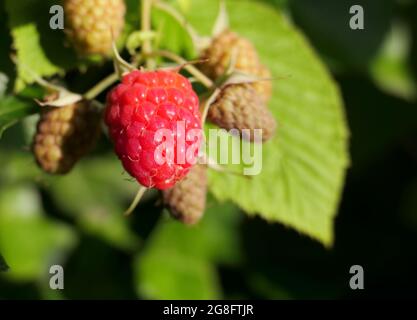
point(228, 44)
point(64, 135)
point(239, 106)
point(264, 86)
point(141, 105)
point(221, 50)
point(90, 23)
point(186, 201)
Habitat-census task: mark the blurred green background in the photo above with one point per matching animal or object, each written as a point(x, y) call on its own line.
point(76, 220)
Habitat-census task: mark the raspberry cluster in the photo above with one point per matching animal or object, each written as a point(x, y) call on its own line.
point(153, 117)
point(239, 105)
point(141, 105)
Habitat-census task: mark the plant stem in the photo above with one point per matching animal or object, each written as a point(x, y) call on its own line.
point(120, 63)
point(212, 164)
point(201, 77)
point(135, 201)
point(207, 104)
point(101, 86)
point(146, 27)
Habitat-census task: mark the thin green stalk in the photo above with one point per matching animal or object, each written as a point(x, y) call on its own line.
point(135, 201)
point(101, 86)
point(145, 28)
point(201, 77)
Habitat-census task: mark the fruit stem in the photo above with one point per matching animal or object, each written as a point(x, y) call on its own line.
point(101, 86)
point(145, 28)
point(201, 77)
point(135, 201)
point(212, 164)
point(119, 62)
point(207, 103)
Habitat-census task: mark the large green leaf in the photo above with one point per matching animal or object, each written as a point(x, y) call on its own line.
point(38, 47)
point(303, 167)
point(13, 109)
point(30, 241)
point(171, 35)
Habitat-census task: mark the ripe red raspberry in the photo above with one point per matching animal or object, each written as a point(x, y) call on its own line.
point(143, 103)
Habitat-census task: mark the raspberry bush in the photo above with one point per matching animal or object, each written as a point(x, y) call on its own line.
point(90, 102)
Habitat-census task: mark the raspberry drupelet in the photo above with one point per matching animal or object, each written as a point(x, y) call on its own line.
point(137, 108)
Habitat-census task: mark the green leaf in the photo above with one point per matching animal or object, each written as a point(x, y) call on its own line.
point(390, 69)
point(303, 167)
point(168, 275)
point(95, 194)
point(13, 109)
point(3, 264)
point(38, 46)
point(16, 168)
point(277, 3)
point(178, 261)
point(30, 241)
point(172, 35)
